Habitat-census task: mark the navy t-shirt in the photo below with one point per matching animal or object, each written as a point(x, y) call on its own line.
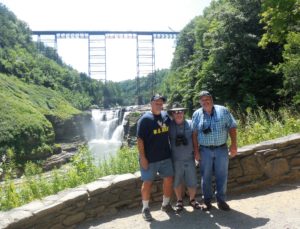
point(154, 131)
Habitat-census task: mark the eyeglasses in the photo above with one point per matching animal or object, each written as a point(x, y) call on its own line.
point(177, 112)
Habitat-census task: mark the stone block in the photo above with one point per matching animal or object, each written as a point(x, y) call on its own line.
point(248, 179)
point(47, 221)
point(232, 185)
point(55, 203)
point(32, 206)
point(134, 205)
point(295, 173)
point(57, 226)
point(245, 151)
point(93, 212)
point(235, 171)
point(71, 196)
point(81, 204)
point(271, 154)
point(107, 178)
point(276, 167)
point(124, 180)
point(121, 204)
point(129, 194)
point(74, 219)
point(5, 220)
point(282, 142)
point(97, 187)
point(287, 140)
point(290, 150)
point(295, 162)
point(17, 218)
point(250, 166)
point(108, 212)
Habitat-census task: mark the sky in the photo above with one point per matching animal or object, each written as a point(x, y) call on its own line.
point(109, 15)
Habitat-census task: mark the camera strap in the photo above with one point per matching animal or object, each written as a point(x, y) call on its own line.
point(183, 128)
point(210, 117)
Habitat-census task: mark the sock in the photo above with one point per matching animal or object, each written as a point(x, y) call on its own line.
point(166, 201)
point(145, 204)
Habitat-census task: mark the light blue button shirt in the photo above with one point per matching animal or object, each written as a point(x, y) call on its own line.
point(219, 122)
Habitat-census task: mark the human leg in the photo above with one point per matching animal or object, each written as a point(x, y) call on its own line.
point(146, 190)
point(165, 170)
point(167, 188)
point(178, 179)
point(179, 203)
point(221, 172)
point(178, 192)
point(190, 179)
point(206, 173)
point(177, 184)
point(147, 176)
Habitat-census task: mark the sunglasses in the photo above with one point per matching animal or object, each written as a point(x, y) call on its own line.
point(177, 112)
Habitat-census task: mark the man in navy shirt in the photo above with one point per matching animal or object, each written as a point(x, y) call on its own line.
point(154, 153)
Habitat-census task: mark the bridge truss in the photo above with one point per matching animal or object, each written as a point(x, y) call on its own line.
point(145, 49)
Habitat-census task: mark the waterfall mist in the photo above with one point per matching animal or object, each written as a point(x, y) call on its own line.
point(107, 131)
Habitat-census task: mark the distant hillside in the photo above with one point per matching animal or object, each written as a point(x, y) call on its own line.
point(128, 88)
point(37, 64)
point(36, 85)
point(23, 110)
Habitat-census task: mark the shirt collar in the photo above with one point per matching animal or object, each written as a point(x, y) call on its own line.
point(212, 113)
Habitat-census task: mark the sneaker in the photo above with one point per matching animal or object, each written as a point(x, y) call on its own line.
point(167, 208)
point(146, 214)
point(207, 206)
point(223, 206)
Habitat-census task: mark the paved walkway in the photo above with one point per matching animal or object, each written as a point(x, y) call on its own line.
point(275, 207)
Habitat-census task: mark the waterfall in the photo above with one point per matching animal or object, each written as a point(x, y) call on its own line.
point(108, 133)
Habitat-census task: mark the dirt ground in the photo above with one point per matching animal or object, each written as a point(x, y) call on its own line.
point(275, 207)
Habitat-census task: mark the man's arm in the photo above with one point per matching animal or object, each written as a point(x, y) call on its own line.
point(195, 145)
point(233, 146)
point(141, 149)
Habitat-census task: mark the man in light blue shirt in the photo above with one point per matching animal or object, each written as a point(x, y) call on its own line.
point(211, 125)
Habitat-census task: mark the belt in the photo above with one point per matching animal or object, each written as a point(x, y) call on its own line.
point(213, 147)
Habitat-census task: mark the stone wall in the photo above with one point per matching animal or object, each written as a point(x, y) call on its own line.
point(255, 167)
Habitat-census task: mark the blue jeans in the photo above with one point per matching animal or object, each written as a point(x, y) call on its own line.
point(214, 162)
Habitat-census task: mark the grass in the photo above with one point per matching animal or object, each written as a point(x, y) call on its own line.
point(259, 125)
point(254, 127)
point(81, 170)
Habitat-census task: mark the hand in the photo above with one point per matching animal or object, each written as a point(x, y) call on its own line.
point(197, 164)
point(197, 156)
point(233, 150)
point(144, 163)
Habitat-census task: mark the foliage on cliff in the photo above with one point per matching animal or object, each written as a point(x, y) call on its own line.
point(245, 52)
point(33, 84)
point(23, 110)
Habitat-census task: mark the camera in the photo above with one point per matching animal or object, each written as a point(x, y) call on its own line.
point(206, 131)
point(181, 139)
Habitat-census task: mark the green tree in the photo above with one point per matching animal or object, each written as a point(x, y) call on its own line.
point(279, 18)
point(282, 26)
point(291, 68)
point(219, 52)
